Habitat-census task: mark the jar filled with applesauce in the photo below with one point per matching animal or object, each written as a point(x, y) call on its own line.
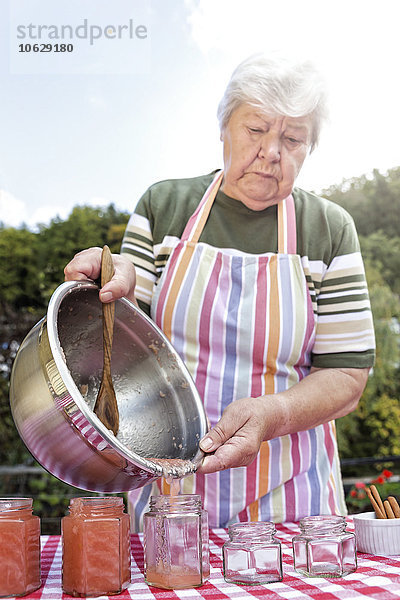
point(19, 547)
point(96, 547)
point(176, 546)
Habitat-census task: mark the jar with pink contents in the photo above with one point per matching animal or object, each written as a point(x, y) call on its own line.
point(19, 547)
point(96, 547)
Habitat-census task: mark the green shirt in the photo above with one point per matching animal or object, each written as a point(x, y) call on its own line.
point(327, 243)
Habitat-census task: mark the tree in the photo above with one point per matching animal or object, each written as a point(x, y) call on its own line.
point(20, 283)
point(31, 267)
point(374, 428)
point(374, 202)
point(382, 253)
point(85, 227)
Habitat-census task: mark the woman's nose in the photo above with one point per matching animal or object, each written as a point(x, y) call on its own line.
point(270, 148)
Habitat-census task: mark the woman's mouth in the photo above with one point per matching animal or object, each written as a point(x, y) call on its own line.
point(262, 174)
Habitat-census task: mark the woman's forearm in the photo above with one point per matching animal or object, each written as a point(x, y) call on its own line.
point(324, 395)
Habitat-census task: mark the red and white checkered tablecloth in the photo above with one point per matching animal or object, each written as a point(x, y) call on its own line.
point(376, 576)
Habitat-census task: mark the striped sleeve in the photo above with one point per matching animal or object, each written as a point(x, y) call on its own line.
point(137, 245)
point(344, 330)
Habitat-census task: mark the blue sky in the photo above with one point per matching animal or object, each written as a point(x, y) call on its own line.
point(141, 111)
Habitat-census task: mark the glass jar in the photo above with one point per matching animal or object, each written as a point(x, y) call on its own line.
point(176, 547)
point(324, 548)
point(19, 547)
point(252, 556)
point(96, 554)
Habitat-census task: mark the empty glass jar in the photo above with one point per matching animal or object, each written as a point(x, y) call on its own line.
point(324, 548)
point(19, 547)
point(252, 556)
point(176, 547)
point(96, 547)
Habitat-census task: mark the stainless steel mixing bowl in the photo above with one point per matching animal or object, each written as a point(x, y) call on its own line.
point(54, 384)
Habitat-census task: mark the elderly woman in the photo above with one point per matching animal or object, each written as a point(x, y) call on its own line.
point(260, 287)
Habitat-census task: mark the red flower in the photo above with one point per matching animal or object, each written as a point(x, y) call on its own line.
point(360, 485)
point(380, 479)
point(387, 473)
point(353, 493)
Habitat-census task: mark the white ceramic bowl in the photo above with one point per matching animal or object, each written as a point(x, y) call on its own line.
point(377, 536)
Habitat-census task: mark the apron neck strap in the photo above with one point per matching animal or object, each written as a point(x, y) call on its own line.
point(286, 218)
point(287, 238)
point(196, 223)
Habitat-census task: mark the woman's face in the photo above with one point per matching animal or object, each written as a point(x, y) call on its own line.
point(263, 155)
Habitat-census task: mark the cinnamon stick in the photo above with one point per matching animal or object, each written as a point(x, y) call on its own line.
point(395, 506)
point(377, 497)
point(388, 509)
point(380, 514)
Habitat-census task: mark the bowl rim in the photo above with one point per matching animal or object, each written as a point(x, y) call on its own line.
point(56, 299)
point(369, 518)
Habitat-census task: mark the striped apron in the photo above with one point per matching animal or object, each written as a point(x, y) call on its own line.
point(244, 326)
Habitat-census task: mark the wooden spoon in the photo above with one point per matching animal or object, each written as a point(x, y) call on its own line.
point(106, 407)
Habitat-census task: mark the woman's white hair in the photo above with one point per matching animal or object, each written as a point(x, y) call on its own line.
point(279, 87)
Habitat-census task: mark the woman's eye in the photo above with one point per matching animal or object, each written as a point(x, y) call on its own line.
point(293, 141)
point(255, 130)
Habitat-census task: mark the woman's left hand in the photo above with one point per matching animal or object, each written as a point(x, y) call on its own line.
point(236, 439)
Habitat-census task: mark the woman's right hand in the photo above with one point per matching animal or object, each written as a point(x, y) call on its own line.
point(86, 265)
